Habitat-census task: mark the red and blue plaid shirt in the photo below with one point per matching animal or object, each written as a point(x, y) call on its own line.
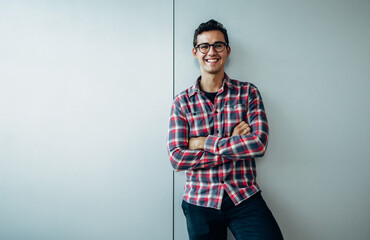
point(227, 162)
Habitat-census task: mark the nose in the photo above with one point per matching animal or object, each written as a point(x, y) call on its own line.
point(211, 50)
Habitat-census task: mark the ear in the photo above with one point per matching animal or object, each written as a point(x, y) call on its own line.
point(195, 52)
point(228, 49)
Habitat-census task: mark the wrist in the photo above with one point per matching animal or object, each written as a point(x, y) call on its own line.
point(201, 142)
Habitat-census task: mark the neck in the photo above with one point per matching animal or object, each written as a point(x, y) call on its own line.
point(212, 82)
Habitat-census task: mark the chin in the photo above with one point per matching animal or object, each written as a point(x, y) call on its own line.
point(210, 71)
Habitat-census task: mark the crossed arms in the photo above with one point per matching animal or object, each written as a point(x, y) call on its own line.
point(197, 143)
point(247, 140)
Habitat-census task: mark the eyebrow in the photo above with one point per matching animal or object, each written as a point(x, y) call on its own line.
point(211, 43)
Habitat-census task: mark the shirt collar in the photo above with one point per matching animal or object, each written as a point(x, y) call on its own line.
point(196, 88)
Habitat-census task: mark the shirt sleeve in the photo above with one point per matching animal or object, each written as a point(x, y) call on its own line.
point(181, 157)
point(244, 146)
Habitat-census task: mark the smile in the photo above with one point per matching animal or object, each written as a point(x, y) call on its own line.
point(212, 60)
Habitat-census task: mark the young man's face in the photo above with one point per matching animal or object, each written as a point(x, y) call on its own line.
point(212, 62)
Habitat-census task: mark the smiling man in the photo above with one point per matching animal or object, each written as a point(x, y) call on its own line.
point(217, 128)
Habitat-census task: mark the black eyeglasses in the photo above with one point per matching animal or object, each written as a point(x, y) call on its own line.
point(217, 46)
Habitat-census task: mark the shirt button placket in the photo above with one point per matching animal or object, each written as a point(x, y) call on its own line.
point(215, 120)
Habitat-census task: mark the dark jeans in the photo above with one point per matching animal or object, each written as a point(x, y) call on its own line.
point(251, 219)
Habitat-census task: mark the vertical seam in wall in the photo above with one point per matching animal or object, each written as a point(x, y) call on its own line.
point(173, 49)
point(173, 96)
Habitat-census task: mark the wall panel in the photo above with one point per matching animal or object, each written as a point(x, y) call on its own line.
point(84, 88)
point(310, 61)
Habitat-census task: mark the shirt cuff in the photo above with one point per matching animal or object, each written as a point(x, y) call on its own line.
point(211, 143)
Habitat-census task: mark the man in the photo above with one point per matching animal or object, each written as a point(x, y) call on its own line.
point(217, 127)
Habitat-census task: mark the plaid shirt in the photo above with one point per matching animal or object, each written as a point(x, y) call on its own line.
point(227, 162)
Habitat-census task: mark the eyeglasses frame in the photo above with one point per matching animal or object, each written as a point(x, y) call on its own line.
point(212, 45)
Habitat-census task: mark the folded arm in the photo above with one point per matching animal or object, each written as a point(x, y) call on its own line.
point(239, 147)
point(198, 142)
point(182, 155)
point(247, 140)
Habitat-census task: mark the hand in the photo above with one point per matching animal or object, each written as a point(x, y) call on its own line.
point(197, 143)
point(241, 129)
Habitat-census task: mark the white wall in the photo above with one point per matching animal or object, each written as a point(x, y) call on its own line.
point(85, 92)
point(310, 60)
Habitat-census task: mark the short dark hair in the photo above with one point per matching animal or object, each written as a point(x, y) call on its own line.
point(209, 26)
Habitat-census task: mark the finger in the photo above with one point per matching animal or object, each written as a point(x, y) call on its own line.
point(242, 125)
point(246, 131)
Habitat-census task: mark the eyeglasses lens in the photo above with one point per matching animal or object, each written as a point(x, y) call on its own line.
point(218, 47)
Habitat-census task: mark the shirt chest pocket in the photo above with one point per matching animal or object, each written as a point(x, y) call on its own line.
point(200, 124)
point(233, 115)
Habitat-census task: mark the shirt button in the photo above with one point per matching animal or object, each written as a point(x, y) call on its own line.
point(222, 182)
point(216, 111)
point(217, 131)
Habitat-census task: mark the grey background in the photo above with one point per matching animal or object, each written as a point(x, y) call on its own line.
point(310, 61)
point(85, 93)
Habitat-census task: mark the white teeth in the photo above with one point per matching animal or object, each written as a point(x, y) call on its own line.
point(212, 60)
